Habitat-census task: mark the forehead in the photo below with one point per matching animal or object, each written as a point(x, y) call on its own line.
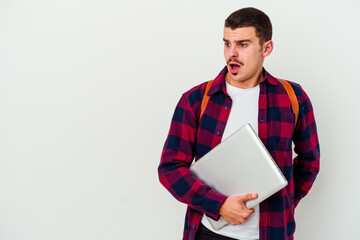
point(240, 34)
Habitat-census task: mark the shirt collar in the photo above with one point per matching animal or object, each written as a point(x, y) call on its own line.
point(220, 85)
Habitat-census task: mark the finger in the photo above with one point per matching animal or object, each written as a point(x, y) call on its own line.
point(243, 220)
point(247, 213)
point(252, 210)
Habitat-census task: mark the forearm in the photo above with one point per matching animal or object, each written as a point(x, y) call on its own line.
point(305, 172)
point(177, 156)
point(307, 162)
point(178, 179)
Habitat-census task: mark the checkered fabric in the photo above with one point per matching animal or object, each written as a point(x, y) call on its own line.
point(189, 140)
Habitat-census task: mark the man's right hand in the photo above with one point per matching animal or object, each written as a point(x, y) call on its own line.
point(234, 210)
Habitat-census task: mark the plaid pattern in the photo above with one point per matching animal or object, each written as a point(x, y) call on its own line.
point(189, 139)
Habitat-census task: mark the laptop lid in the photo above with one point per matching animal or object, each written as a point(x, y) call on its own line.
point(239, 165)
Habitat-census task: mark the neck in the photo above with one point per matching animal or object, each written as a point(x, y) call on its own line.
point(246, 83)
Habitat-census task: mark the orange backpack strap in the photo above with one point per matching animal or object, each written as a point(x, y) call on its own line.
point(290, 92)
point(205, 99)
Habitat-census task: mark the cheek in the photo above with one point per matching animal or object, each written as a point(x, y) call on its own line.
point(226, 53)
point(251, 57)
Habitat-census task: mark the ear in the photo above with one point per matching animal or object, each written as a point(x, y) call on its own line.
point(267, 48)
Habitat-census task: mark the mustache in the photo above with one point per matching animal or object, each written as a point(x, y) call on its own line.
point(234, 60)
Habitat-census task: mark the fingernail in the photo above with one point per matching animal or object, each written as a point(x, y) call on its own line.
point(253, 195)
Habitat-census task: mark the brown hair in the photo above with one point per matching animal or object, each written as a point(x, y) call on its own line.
point(251, 17)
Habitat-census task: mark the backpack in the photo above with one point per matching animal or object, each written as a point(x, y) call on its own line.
point(289, 90)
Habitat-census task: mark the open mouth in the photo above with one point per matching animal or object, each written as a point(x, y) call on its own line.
point(234, 67)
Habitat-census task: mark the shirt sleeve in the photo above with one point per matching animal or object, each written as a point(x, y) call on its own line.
point(306, 163)
point(176, 158)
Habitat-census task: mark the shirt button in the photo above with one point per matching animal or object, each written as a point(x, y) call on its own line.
point(193, 226)
point(226, 107)
point(218, 133)
point(261, 120)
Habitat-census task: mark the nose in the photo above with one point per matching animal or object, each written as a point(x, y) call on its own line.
point(233, 52)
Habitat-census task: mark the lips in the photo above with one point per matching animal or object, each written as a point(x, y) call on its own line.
point(234, 67)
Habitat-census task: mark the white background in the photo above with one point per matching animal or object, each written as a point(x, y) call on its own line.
point(88, 88)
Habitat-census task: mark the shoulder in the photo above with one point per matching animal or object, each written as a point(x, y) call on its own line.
point(299, 91)
point(305, 105)
point(190, 101)
point(195, 94)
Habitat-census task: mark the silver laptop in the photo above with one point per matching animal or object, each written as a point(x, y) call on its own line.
point(239, 165)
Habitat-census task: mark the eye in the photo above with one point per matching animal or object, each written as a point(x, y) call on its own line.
point(227, 44)
point(243, 45)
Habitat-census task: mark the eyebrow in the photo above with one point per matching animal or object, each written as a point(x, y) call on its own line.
point(238, 41)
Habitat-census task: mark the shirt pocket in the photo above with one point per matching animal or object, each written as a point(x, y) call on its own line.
point(281, 130)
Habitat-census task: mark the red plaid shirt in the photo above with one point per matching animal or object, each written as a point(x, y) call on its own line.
point(188, 139)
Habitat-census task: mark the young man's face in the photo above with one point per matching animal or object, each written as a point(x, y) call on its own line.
point(244, 56)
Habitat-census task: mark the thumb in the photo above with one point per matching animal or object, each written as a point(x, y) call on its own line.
point(249, 196)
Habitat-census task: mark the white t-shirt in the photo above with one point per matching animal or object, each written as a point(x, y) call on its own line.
point(244, 109)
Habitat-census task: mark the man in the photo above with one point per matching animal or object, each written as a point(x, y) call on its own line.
point(243, 92)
